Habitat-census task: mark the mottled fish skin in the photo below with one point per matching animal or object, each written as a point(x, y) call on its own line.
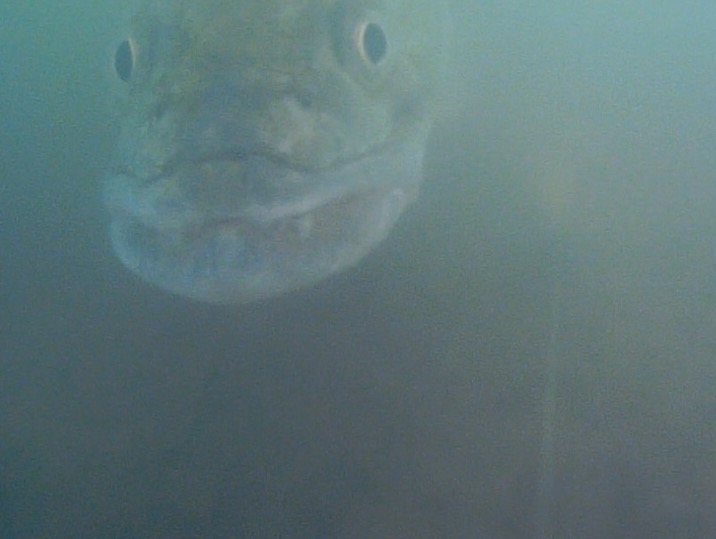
point(265, 145)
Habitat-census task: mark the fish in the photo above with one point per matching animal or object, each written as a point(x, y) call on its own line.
point(266, 145)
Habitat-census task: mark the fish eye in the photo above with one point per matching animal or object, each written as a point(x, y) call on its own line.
point(124, 60)
point(372, 42)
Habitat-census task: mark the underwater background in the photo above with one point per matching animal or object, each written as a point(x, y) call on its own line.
point(531, 353)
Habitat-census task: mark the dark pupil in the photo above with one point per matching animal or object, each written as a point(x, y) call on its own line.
point(375, 43)
point(124, 61)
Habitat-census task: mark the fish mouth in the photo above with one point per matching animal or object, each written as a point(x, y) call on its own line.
point(235, 228)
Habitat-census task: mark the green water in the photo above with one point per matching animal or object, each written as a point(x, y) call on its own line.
point(530, 354)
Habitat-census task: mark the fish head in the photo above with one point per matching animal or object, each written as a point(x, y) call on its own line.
point(265, 145)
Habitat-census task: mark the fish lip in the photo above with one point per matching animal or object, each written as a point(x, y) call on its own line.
point(126, 191)
point(229, 154)
point(188, 157)
point(123, 207)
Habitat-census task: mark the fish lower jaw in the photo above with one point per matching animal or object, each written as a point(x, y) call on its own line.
point(238, 260)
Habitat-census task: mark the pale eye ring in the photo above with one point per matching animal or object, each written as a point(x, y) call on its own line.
point(371, 42)
point(125, 59)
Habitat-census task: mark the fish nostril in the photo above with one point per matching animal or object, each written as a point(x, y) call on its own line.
point(125, 59)
point(158, 111)
point(306, 101)
point(305, 98)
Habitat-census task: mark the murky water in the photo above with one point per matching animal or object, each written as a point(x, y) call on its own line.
point(530, 354)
